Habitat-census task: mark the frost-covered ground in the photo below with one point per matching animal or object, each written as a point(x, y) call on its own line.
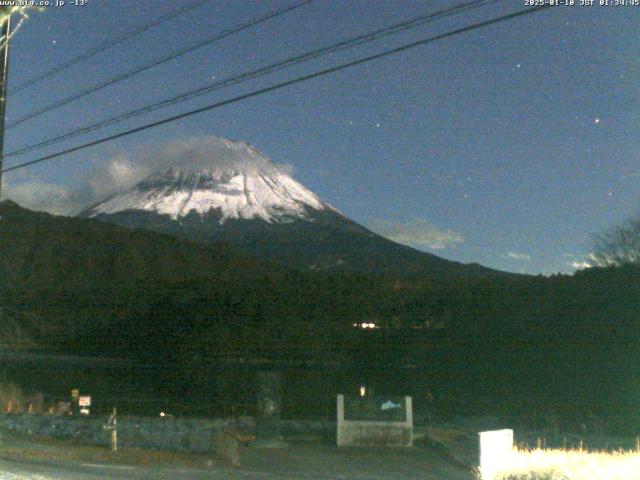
point(18, 476)
point(569, 465)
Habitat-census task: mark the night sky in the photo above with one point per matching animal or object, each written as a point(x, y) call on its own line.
point(511, 145)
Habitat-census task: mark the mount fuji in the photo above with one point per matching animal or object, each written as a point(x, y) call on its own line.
point(238, 196)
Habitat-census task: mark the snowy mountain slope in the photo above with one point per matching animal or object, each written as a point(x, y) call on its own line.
point(249, 187)
point(238, 196)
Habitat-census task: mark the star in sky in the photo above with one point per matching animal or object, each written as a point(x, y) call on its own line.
point(490, 114)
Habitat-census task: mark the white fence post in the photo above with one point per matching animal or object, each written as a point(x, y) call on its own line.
point(495, 448)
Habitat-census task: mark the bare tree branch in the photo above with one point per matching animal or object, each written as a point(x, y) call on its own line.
point(619, 245)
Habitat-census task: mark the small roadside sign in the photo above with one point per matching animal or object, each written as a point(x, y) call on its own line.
point(84, 401)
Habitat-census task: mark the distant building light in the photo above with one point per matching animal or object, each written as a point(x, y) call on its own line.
point(365, 325)
point(363, 390)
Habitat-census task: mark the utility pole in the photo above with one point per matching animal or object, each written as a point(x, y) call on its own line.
point(4, 66)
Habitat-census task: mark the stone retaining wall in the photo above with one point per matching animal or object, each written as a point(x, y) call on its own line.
point(195, 435)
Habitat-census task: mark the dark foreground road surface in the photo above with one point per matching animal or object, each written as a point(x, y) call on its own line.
point(301, 461)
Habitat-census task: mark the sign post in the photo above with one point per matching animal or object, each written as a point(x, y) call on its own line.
point(112, 424)
point(269, 396)
point(374, 421)
point(84, 402)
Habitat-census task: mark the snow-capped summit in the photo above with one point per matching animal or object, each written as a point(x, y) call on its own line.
point(236, 182)
point(232, 193)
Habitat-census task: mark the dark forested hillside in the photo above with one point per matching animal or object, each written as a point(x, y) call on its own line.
point(43, 252)
point(109, 289)
point(564, 344)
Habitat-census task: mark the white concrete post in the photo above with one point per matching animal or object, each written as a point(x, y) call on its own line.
point(340, 420)
point(495, 448)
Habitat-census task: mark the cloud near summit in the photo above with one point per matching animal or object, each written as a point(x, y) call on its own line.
point(124, 171)
point(191, 153)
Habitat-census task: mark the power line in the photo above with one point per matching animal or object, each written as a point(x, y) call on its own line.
point(281, 85)
point(240, 78)
point(109, 44)
point(157, 62)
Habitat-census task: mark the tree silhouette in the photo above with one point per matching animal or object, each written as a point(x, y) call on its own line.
point(619, 245)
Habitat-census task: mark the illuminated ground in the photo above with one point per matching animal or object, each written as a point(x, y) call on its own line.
point(22, 458)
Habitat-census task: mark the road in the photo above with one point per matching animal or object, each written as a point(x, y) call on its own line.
point(305, 461)
point(12, 470)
